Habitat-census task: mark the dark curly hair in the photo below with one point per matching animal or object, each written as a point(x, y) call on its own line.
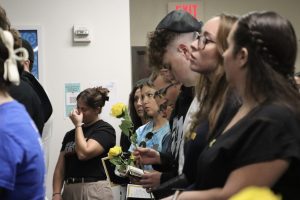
point(94, 97)
point(158, 41)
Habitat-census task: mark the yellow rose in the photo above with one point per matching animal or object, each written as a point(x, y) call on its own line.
point(115, 151)
point(118, 109)
point(255, 193)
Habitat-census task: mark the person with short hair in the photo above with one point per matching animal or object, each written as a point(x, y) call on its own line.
point(169, 47)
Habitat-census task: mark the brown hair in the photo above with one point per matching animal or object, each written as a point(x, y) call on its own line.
point(4, 22)
point(94, 97)
point(212, 94)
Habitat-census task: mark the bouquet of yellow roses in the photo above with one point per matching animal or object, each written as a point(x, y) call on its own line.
point(120, 159)
point(116, 156)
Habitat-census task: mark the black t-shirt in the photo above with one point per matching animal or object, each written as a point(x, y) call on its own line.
point(38, 88)
point(100, 131)
point(26, 95)
point(170, 159)
point(268, 132)
point(194, 146)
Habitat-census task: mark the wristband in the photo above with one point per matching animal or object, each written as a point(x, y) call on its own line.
point(79, 125)
point(56, 194)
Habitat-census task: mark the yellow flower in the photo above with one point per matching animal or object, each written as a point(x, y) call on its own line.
point(118, 109)
point(115, 151)
point(255, 193)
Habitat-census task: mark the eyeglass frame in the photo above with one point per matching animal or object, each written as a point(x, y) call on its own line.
point(163, 91)
point(204, 41)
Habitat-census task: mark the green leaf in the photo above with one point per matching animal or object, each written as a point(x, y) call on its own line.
point(126, 126)
point(115, 161)
point(133, 139)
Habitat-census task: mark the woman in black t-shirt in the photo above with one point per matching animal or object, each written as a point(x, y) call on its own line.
point(79, 166)
point(260, 146)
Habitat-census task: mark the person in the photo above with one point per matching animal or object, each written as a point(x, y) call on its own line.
point(136, 112)
point(260, 145)
point(22, 168)
point(167, 90)
point(206, 59)
point(78, 170)
point(169, 47)
point(28, 77)
point(217, 103)
point(25, 94)
point(153, 133)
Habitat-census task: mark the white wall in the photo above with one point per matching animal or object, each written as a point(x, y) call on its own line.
point(106, 58)
point(145, 14)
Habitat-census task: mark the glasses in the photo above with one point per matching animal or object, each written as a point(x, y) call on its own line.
point(147, 138)
point(203, 40)
point(163, 91)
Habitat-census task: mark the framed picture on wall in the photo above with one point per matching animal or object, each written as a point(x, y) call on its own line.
point(31, 34)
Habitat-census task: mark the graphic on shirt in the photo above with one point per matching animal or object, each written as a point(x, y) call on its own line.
point(177, 134)
point(70, 148)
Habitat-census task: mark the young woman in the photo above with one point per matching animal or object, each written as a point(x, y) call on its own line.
point(22, 166)
point(78, 169)
point(136, 112)
point(261, 144)
point(153, 133)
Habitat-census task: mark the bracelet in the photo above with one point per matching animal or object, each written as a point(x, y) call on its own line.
point(56, 194)
point(79, 125)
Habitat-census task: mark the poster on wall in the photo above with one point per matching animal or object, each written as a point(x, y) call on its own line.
point(31, 35)
point(195, 8)
point(71, 92)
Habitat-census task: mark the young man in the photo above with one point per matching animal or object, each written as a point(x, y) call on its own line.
point(169, 47)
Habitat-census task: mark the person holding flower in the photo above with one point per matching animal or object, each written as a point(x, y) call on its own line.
point(78, 169)
point(136, 112)
point(260, 145)
point(153, 134)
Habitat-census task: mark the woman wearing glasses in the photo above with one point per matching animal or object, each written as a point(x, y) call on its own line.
point(152, 134)
point(260, 145)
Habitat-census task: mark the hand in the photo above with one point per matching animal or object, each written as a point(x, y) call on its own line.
point(57, 197)
point(151, 180)
point(76, 117)
point(146, 156)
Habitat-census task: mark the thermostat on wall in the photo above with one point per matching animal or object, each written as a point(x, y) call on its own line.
point(81, 34)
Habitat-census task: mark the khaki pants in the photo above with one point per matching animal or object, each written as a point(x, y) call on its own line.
point(88, 191)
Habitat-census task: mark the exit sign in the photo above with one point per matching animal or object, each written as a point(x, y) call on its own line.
point(195, 8)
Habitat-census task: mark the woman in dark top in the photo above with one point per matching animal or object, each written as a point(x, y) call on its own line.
point(79, 166)
point(260, 146)
point(206, 59)
point(136, 112)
